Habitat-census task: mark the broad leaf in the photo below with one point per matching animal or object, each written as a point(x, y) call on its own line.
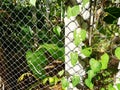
point(95, 65)
point(65, 83)
point(45, 80)
point(56, 80)
point(79, 36)
point(104, 61)
point(33, 2)
point(74, 58)
point(69, 12)
point(91, 74)
point(75, 80)
point(55, 51)
point(57, 30)
point(87, 51)
point(117, 52)
point(61, 73)
point(51, 80)
point(85, 2)
point(89, 84)
point(73, 11)
point(110, 87)
point(118, 86)
point(36, 62)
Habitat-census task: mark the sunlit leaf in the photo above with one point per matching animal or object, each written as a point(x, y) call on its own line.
point(56, 80)
point(65, 83)
point(118, 86)
point(95, 65)
point(61, 73)
point(110, 87)
point(45, 80)
point(104, 61)
point(91, 74)
point(73, 11)
point(57, 30)
point(117, 52)
point(33, 2)
point(89, 84)
point(22, 77)
point(86, 51)
point(51, 80)
point(74, 58)
point(79, 36)
point(69, 12)
point(85, 2)
point(75, 80)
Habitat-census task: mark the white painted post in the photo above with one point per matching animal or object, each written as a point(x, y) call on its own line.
point(72, 24)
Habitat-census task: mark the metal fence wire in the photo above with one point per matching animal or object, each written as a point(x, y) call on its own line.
point(36, 42)
point(29, 48)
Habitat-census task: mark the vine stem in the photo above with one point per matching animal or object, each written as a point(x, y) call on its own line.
point(35, 68)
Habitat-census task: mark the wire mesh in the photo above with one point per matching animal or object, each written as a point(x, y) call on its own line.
point(26, 28)
point(31, 50)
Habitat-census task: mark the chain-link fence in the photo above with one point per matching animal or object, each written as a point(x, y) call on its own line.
point(30, 47)
point(36, 42)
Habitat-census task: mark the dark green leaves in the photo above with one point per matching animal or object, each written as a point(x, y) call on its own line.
point(75, 80)
point(79, 36)
point(74, 11)
point(74, 58)
point(104, 60)
point(117, 52)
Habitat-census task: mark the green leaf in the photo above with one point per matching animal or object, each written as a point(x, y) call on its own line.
point(104, 61)
point(36, 61)
point(56, 79)
point(33, 2)
point(85, 2)
point(91, 74)
point(75, 80)
point(117, 52)
point(118, 86)
point(45, 80)
point(79, 36)
point(89, 84)
point(73, 11)
point(61, 73)
point(51, 80)
point(95, 65)
point(65, 83)
point(110, 87)
point(74, 58)
point(102, 89)
point(55, 51)
point(57, 30)
point(87, 51)
point(69, 12)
